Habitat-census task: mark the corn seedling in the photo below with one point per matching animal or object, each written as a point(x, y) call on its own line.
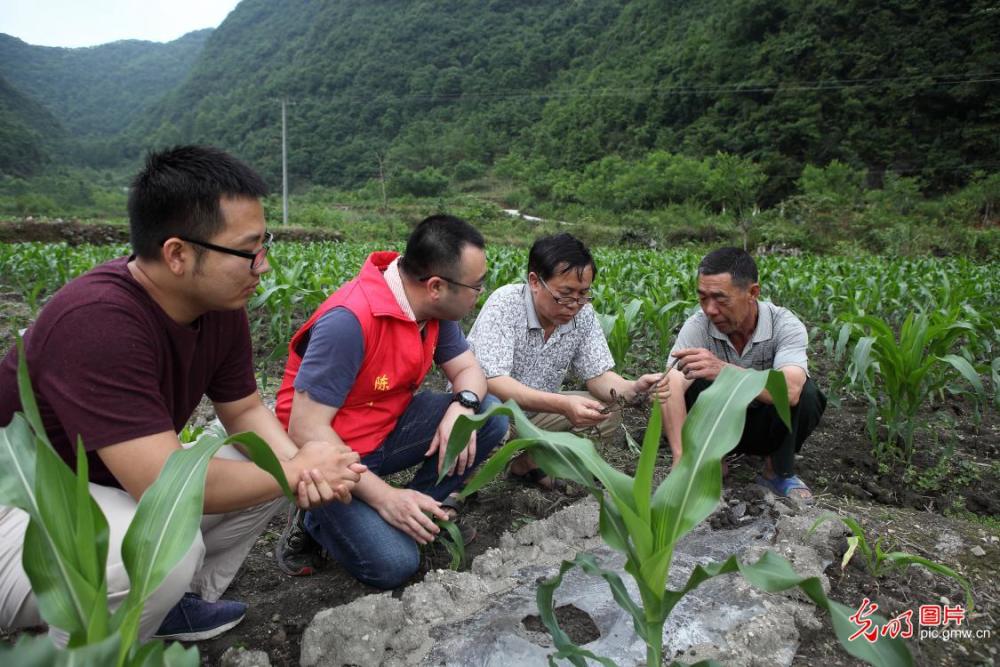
point(646, 524)
point(618, 330)
point(451, 540)
point(66, 542)
point(900, 377)
point(878, 561)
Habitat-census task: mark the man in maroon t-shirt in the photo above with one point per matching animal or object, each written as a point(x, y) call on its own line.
point(120, 358)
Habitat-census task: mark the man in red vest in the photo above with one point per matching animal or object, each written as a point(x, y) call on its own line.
point(352, 375)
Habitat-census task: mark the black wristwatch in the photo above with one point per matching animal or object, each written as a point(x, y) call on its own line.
point(467, 399)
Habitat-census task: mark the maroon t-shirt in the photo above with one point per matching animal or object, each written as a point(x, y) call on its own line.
point(108, 364)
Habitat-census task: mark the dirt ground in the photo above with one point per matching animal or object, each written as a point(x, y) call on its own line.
point(923, 514)
point(946, 508)
point(281, 607)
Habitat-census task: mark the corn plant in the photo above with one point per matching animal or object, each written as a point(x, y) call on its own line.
point(878, 561)
point(66, 542)
point(619, 329)
point(900, 377)
point(646, 525)
point(836, 338)
point(665, 320)
point(815, 288)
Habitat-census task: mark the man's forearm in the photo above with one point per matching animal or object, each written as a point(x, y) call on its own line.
point(262, 421)
point(255, 485)
point(674, 412)
point(600, 387)
point(371, 488)
point(470, 379)
point(507, 388)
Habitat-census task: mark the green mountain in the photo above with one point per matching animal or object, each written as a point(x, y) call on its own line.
point(99, 90)
point(899, 85)
point(29, 135)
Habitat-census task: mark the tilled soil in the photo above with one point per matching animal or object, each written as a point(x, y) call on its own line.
point(281, 607)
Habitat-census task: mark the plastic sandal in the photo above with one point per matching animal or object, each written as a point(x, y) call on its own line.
point(784, 486)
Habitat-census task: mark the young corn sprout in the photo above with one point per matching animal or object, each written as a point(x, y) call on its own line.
point(645, 523)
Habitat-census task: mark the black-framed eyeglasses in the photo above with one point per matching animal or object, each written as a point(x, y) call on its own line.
point(474, 288)
point(565, 300)
point(256, 258)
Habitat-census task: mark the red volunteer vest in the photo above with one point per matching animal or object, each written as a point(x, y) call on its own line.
point(395, 362)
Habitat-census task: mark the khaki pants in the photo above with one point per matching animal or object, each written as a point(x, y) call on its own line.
point(555, 422)
point(207, 569)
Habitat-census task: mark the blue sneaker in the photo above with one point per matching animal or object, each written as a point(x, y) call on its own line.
point(192, 619)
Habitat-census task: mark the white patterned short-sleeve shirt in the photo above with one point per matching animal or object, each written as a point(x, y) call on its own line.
point(507, 339)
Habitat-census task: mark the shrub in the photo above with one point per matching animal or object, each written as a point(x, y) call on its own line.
point(467, 170)
point(429, 182)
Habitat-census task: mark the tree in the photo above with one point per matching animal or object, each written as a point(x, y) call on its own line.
point(734, 184)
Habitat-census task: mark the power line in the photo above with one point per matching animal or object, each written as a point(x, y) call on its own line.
point(739, 88)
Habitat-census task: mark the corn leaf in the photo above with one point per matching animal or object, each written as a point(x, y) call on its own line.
point(642, 490)
point(29, 407)
point(17, 459)
point(565, 648)
point(966, 370)
point(177, 655)
point(852, 546)
point(772, 573)
point(168, 517)
point(903, 558)
point(713, 428)
point(51, 556)
point(39, 651)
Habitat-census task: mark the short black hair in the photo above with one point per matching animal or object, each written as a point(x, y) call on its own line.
point(435, 246)
point(177, 194)
point(735, 261)
point(559, 253)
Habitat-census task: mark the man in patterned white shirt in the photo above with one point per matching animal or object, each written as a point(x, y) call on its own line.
point(527, 337)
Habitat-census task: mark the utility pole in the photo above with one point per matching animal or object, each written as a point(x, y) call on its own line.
point(381, 180)
point(284, 165)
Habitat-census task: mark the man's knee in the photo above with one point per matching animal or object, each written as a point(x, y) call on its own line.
point(811, 399)
point(178, 580)
point(389, 570)
point(694, 390)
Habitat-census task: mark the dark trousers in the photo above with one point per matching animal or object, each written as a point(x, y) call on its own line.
point(764, 434)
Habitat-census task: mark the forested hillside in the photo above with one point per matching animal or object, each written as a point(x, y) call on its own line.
point(901, 85)
point(605, 103)
point(98, 91)
point(29, 135)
